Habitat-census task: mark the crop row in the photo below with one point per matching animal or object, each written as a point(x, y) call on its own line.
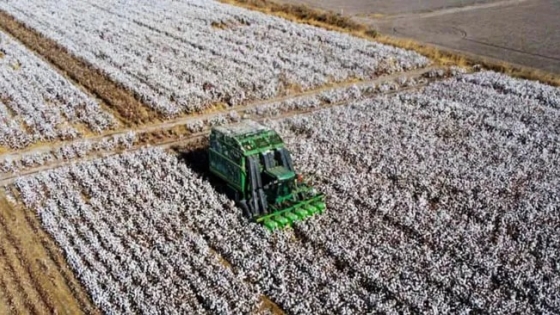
point(127, 237)
point(109, 208)
point(183, 56)
point(38, 104)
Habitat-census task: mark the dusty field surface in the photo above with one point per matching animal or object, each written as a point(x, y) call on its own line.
point(517, 31)
point(522, 33)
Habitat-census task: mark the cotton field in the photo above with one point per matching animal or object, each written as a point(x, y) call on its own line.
point(183, 56)
point(461, 181)
point(440, 200)
point(39, 104)
point(442, 183)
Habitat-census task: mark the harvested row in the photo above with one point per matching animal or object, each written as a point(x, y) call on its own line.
point(38, 104)
point(184, 56)
point(32, 279)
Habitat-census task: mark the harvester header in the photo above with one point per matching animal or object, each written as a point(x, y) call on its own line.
point(259, 173)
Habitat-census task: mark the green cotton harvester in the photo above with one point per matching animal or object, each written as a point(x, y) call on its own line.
point(260, 176)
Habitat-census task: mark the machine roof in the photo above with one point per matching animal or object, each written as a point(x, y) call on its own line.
point(251, 136)
point(243, 128)
point(281, 173)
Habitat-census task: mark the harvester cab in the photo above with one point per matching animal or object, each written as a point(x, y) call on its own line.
point(260, 176)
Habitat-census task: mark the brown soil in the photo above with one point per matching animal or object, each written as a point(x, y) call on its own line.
point(130, 110)
point(516, 31)
point(268, 305)
point(34, 278)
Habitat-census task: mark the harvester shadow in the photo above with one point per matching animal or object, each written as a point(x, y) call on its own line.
point(196, 159)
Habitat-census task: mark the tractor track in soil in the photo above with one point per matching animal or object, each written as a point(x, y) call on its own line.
point(195, 139)
point(19, 286)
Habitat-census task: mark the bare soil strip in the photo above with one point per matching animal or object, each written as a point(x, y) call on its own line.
point(15, 301)
point(119, 99)
point(268, 305)
point(48, 287)
point(14, 273)
point(4, 304)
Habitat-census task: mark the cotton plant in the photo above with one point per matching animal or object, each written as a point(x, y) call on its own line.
point(195, 126)
point(335, 96)
point(412, 241)
point(8, 165)
point(411, 223)
point(122, 258)
point(440, 200)
point(73, 150)
point(135, 197)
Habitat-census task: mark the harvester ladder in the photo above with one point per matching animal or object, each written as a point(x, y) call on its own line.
point(258, 201)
